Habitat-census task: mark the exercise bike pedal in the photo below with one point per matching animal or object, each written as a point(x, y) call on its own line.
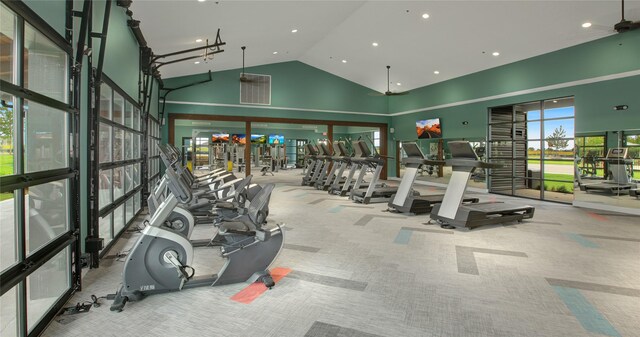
point(268, 281)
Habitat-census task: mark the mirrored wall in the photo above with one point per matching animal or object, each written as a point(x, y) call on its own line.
point(607, 168)
point(438, 149)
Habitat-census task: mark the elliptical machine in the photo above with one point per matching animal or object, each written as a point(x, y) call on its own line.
point(160, 260)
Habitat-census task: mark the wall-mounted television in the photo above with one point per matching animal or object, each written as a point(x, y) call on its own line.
point(276, 139)
point(239, 138)
point(258, 139)
point(220, 138)
point(429, 128)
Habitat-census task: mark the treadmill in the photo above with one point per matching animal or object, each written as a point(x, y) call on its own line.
point(453, 213)
point(617, 159)
point(407, 200)
point(326, 157)
point(356, 161)
point(375, 192)
point(340, 161)
point(313, 152)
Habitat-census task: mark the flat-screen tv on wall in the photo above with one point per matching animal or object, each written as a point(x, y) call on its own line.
point(220, 138)
point(258, 139)
point(429, 128)
point(276, 139)
point(239, 138)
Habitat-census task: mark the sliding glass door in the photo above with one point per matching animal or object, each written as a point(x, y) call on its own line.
point(534, 142)
point(38, 180)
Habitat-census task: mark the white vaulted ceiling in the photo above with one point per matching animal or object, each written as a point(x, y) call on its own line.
point(458, 38)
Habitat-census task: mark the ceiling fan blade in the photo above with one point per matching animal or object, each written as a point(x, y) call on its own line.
point(397, 93)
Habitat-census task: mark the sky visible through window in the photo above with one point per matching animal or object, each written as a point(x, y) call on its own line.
point(533, 127)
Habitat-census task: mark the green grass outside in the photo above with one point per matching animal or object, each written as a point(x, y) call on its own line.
point(600, 174)
point(564, 187)
point(6, 164)
point(6, 168)
point(556, 162)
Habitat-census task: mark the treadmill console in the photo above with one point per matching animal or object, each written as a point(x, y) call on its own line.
point(618, 153)
point(357, 150)
point(462, 150)
point(325, 149)
point(412, 150)
point(340, 149)
point(313, 151)
point(366, 152)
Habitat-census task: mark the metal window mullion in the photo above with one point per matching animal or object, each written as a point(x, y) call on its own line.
point(542, 154)
point(118, 125)
point(19, 200)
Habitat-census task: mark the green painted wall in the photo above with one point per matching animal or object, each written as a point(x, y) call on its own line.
point(615, 54)
point(294, 85)
point(122, 61)
point(593, 102)
point(51, 11)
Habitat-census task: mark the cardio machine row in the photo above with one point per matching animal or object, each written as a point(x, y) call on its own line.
point(451, 209)
point(161, 259)
point(325, 171)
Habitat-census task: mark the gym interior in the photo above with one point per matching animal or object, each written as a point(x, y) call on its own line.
point(319, 168)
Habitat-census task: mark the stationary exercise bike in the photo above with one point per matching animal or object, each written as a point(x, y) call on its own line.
point(161, 259)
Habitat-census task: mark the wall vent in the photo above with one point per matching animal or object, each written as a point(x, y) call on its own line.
point(256, 89)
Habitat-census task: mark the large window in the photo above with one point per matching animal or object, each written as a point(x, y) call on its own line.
point(120, 159)
point(588, 150)
point(38, 182)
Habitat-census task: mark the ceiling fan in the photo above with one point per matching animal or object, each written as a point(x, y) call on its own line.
point(623, 26)
point(248, 79)
point(388, 92)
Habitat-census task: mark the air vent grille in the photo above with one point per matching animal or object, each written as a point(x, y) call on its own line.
point(255, 89)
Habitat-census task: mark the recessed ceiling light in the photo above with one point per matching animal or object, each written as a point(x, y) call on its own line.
point(586, 25)
point(425, 16)
point(398, 83)
point(198, 40)
point(275, 52)
point(344, 61)
point(375, 44)
point(555, 101)
point(436, 72)
point(197, 62)
point(294, 30)
point(495, 53)
point(202, 0)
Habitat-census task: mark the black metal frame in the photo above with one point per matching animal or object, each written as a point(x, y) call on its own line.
point(93, 106)
point(18, 182)
point(170, 90)
point(100, 213)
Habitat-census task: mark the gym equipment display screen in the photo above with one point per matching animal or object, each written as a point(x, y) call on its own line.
point(239, 138)
point(220, 138)
point(429, 128)
point(276, 139)
point(259, 139)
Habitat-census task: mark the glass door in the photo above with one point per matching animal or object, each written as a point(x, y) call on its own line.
point(534, 142)
point(38, 181)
